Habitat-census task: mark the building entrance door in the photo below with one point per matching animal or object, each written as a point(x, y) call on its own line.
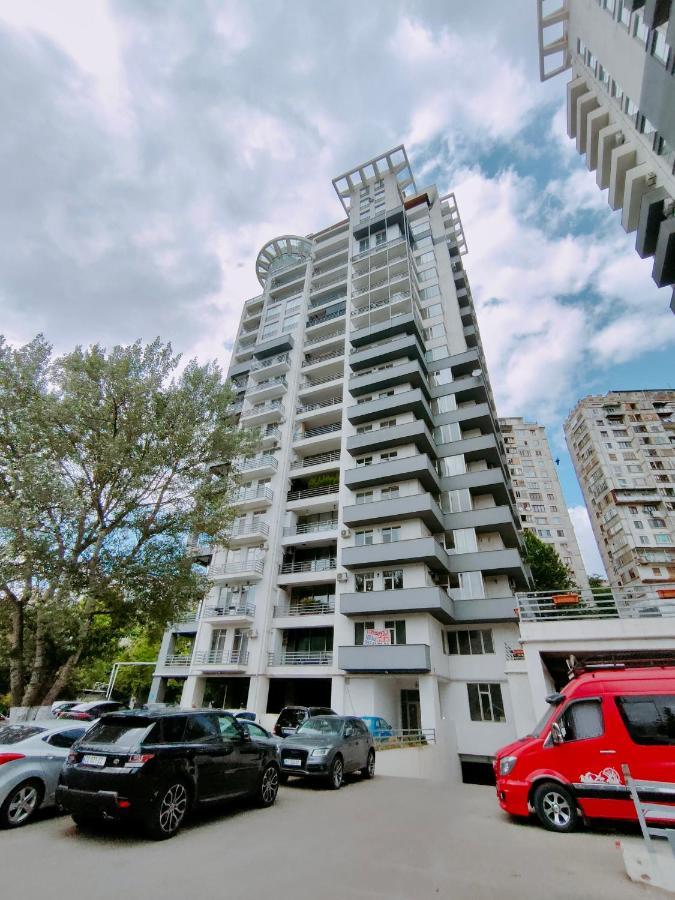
point(410, 710)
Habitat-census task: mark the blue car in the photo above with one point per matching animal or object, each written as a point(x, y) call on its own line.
point(378, 727)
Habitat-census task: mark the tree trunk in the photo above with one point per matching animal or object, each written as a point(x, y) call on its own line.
point(39, 672)
point(61, 678)
point(16, 665)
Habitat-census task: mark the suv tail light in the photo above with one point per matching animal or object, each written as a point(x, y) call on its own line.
point(10, 757)
point(136, 760)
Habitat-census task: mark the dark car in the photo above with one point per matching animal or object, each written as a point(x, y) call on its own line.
point(262, 734)
point(87, 712)
point(329, 747)
point(154, 766)
point(292, 716)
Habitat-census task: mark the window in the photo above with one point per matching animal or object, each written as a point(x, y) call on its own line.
point(65, 739)
point(364, 538)
point(227, 727)
point(396, 629)
point(380, 238)
point(363, 429)
point(388, 423)
point(485, 702)
point(662, 539)
point(393, 580)
point(173, 729)
point(202, 728)
point(390, 454)
point(649, 719)
point(365, 582)
point(364, 461)
point(389, 535)
point(364, 497)
point(360, 629)
point(389, 493)
point(581, 721)
point(473, 642)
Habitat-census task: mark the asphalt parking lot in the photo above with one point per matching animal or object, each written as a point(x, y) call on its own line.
point(390, 837)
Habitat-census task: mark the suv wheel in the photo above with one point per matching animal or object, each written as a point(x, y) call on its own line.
point(168, 811)
point(268, 786)
point(21, 804)
point(369, 769)
point(336, 774)
point(555, 807)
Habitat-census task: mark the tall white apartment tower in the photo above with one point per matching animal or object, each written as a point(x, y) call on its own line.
point(621, 108)
point(539, 494)
point(623, 448)
point(376, 549)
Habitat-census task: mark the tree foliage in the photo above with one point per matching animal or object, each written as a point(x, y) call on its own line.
point(549, 572)
point(103, 476)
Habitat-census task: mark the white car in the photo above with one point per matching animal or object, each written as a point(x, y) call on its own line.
point(31, 757)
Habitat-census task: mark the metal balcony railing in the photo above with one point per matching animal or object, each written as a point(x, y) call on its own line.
point(316, 460)
point(243, 609)
point(513, 651)
point(329, 298)
point(308, 607)
point(309, 565)
point(385, 245)
point(315, 288)
point(313, 492)
point(252, 566)
point(301, 658)
point(257, 493)
point(324, 337)
point(267, 383)
point(405, 737)
point(308, 407)
point(250, 528)
point(328, 317)
point(177, 661)
point(217, 657)
point(270, 361)
point(301, 434)
point(270, 406)
point(324, 379)
point(270, 434)
point(639, 602)
point(257, 462)
point(311, 527)
point(378, 304)
point(313, 361)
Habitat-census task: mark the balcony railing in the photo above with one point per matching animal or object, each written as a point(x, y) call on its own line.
point(640, 602)
point(308, 407)
point(313, 492)
point(257, 462)
point(385, 245)
point(316, 460)
point(301, 658)
point(270, 361)
point(177, 661)
point(338, 333)
point(405, 737)
point(270, 406)
point(309, 565)
point(315, 288)
point(242, 496)
point(311, 528)
point(217, 657)
point(267, 383)
point(250, 528)
point(314, 360)
point(378, 304)
point(254, 566)
point(243, 609)
point(323, 379)
point(319, 320)
point(270, 434)
point(300, 434)
point(307, 607)
point(513, 651)
point(329, 298)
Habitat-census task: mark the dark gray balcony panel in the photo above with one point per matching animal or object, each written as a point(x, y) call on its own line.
point(400, 325)
point(670, 31)
point(407, 345)
point(418, 466)
point(484, 481)
point(406, 401)
point(380, 438)
point(478, 416)
point(417, 506)
point(460, 363)
point(497, 609)
point(500, 562)
point(663, 272)
point(651, 216)
point(488, 520)
point(239, 369)
point(385, 658)
point(471, 387)
point(432, 600)
point(471, 335)
point(423, 549)
point(656, 12)
point(410, 372)
point(633, 4)
point(483, 447)
point(279, 344)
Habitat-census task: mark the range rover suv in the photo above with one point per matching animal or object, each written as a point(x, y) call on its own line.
point(154, 766)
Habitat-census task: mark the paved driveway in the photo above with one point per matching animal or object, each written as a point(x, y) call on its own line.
point(387, 838)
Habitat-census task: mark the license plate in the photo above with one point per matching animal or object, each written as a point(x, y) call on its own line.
point(292, 762)
point(90, 760)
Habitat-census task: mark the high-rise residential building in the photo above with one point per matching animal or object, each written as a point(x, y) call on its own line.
point(621, 108)
point(539, 495)
point(376, 551)
point(622, 446)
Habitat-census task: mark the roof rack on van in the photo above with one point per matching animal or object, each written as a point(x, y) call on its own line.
point(576, 668)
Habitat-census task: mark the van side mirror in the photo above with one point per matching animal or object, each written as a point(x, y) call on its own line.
point(556, 734)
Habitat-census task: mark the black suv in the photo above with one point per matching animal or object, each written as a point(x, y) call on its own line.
point(291, 717)
point(153, 766)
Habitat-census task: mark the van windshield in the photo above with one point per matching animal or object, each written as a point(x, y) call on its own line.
point(541, 724)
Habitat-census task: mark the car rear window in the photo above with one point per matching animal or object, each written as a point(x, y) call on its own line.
point(291, 717)
point(13, 734)
point(118, 732)
point(649, 719)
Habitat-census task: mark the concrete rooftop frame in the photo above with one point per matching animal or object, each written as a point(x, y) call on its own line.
point(287, 244)
point(394, 161)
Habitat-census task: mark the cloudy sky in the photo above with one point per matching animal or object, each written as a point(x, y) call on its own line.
point(150, 147)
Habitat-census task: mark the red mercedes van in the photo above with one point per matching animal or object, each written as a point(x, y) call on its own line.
point(570, 766)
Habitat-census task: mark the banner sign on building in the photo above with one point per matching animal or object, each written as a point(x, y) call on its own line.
point(373, 636)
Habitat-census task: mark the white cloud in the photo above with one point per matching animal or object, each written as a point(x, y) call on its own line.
point(586, 540)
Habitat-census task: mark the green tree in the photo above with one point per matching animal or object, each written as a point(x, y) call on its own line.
point(103, 476)
point(549, 572)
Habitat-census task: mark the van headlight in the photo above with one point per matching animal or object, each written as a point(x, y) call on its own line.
point(320, 751)
point(506, 764)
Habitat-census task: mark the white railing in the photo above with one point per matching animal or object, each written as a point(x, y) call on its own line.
point(253, 567)
point(639, 602)
point(217, 657)
point(310, 565)
point(257, 462)
point(301, 658)
point(391, 738)
point(304, 608)
point(252, 494)
point(250, 528)
point(513, 651)
point(311, 528)
point(316, 460)
point(244, 609)
point(176, 661)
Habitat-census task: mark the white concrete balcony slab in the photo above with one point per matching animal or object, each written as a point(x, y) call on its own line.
point(432, 600)
point(316, 571)
point(428, 550)
point(252, 570)
point(244, 612)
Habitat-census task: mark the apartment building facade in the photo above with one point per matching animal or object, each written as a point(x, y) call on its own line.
point(376, 551)
point(538, 492)
point(623, 449)
point(621, 108)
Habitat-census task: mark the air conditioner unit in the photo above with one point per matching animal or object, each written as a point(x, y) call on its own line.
point(345, 532)
point(650, 179)
point(342, 576)
point(619, 139)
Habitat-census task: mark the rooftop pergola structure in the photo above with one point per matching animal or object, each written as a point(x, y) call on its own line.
point(394, 161)
point(280, 253)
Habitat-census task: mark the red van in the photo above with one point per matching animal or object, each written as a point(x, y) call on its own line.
point(570, 766)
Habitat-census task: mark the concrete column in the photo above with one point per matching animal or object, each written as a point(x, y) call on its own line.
point(524, 718)
point(258, 690)
point(193, 692)
point(157, 689)
point(337, 694)
point(430, 702)
point(540, 681)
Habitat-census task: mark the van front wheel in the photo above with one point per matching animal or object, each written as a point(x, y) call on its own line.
point(555, 807)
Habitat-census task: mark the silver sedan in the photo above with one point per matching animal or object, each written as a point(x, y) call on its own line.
point(31, 757)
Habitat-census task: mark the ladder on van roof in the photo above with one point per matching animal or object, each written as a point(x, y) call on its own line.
point(652, 811)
